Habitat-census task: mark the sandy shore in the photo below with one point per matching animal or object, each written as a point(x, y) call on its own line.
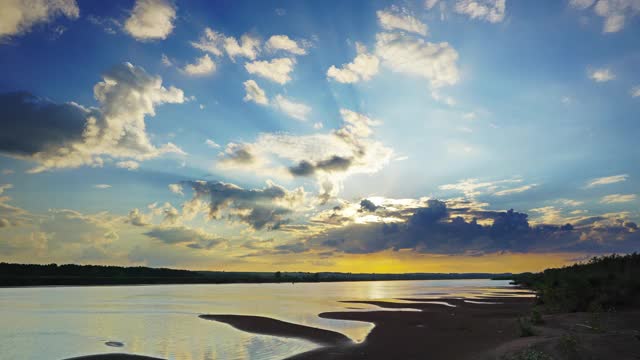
point(114, 356)
point(484, 328)
point(268, 326)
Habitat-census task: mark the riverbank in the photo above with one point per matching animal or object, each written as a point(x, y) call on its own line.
point(486, 328)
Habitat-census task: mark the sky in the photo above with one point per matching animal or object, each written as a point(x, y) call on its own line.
point(378, 136)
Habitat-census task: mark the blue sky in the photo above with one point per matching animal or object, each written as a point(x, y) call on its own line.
point(319, 135)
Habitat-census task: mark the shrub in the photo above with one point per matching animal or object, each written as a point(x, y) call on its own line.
point(525, 327)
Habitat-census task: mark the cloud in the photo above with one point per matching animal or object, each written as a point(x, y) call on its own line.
point(254, 93)
point(392, 21)
point(282, 42)
point(11, 215)
point(137, 218)
point(569, 202)
point(635, 91)
point(472, 188)
point(151, 20)
point(517, 190)
point(296, 110)
point(581, 4)
point(108, 24)
point(429, 4)
point(69, 135)
point(4, 187)
point(492, 11)
point(193, 238)
point(102, 186)
point(617, 198)
point(210, 41)
point(176, 189)
point(614, 12)
point(438, 227)
point(606, 180)
point(217, 43)
point(212, 144)
point(19, 17)
point(248, 47)
point(276, 70)
point(314, 155)
point(264, 208)
point(601, 75)
point(363, 68)
point(203, 66)
point(128, 164)
point(334, 163)
point(166, 61)
point(435, 62)
point(73, 231)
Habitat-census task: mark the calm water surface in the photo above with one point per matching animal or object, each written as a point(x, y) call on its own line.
point(162, 320)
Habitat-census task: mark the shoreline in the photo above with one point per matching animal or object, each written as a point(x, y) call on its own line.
point(230, 283)
point(485, 329)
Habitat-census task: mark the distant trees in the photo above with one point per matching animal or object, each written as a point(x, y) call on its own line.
point(70, 274)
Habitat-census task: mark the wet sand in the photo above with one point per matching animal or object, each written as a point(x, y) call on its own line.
point(436, 332)
point(115, 356)
point(486, 328)
point(268, 326)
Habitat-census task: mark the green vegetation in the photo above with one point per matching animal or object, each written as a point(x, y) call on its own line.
point(70, 274)
point(525, 327)
point(530, 354)
point(536, 317)
point(568, 346)
point(606, 282)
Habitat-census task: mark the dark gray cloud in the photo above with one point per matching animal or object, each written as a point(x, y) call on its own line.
point(368, 205)
point(436, 229)
point(260, 208)
point(69, 135)
point(240, 155)
point(334, 163)
point(31, 124)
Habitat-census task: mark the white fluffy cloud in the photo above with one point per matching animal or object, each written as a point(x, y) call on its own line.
point(176, 189)
point(282, 42)
point(254, 93)
point(151, 20)
point(203, 66)
point(635, 91)
point(393, 21)
point(115, 130)
point(217, 43)
point(102, 186)
point(128, 164)
point(489, 10)
point(248, 47)
point(19, 16)
point(276, 70)
point(328, 157)
point(436, 62)
point(614, 12)
point(211, 42)
point(296, 110)
point(601, 75)
point(363, 67)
